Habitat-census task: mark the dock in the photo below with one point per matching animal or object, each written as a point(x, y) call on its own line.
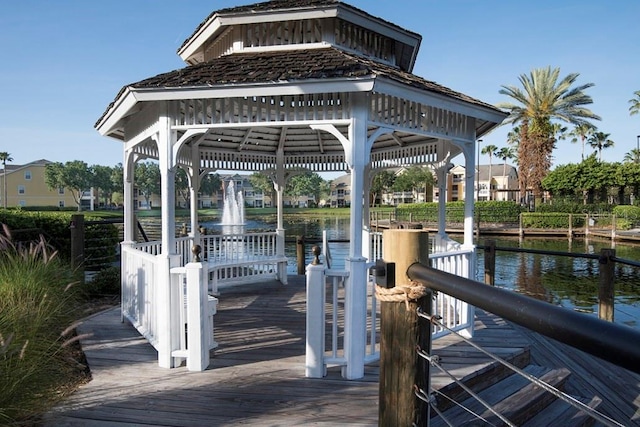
point(256, 375)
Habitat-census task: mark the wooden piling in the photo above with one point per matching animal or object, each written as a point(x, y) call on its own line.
point(606, 285)
point(76, 229)
point(402, 331)
point(300, 254)
point(490, 262)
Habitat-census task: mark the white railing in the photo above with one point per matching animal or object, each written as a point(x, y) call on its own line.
point(139, 274)
point(243, 258)
point(329, 302)
point(230, 248)
point(456, 314)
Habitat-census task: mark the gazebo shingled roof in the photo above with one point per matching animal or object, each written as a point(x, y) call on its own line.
point(291, 66)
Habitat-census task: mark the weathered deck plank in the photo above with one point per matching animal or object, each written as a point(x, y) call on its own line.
point(256, 375)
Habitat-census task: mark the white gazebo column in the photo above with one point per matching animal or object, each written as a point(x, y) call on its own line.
point(128, 169)
point(357, 155)
point(194, 187)
point(167, 320)
point(279, 184)
point(366, 226)
point(470, 179)
point(441, 176)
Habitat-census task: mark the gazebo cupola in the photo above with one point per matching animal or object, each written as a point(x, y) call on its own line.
point(287, 25)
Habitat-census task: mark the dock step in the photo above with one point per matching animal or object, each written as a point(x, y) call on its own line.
point(514, 397)
point(560, 413)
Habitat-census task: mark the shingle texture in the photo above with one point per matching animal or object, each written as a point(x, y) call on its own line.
point(290, 66)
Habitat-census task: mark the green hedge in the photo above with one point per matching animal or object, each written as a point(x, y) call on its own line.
point(553, 220)
point(573, 207)
point(27, 226)
point(488, 211)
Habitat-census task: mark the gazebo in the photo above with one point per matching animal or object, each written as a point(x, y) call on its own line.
point(275, 87)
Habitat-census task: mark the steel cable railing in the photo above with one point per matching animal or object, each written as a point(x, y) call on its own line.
point(434, 361)
point(615, 343)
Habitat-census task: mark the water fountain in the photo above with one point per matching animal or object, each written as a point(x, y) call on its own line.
point(233, 207)
point(232, 211)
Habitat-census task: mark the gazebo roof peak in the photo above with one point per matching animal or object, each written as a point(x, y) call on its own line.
point(296, 24)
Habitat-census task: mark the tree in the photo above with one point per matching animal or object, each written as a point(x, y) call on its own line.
point(491, 150)
point(147, 179)
point(182, 186)
point(414, 179)
point(210, 184)
point(382, 182)
point(635, 103)
point(632, 156)
point(599, 141)
point(117, 181)
point(74, 176)
point(5, 157)
point(589, 178)
point(542, 99)
point(306, 184)
point(505, 153)
point(581, 133)
point(629, 176)
point(103, 183)
point(263, 182)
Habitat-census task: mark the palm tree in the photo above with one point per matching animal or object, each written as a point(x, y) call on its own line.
point(543, 98)
point(491, 151)
point(583, 132)
point(599, 141)
point(635, 103)
point(513, 137)
point(504, 153)
point(632, 156)
point(4, 158)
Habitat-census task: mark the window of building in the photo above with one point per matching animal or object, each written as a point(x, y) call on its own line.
point(60, 190)
point(27, 175)
point(22, 203)
point(61, 204)
point(21, 189)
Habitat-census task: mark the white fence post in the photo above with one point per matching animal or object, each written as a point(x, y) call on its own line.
point(198, 324)
point(282, 266)
point(314, 353)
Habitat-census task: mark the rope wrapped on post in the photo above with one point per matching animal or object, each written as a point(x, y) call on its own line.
point(406, 293)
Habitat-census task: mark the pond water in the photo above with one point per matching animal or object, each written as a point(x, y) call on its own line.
point(566, 281)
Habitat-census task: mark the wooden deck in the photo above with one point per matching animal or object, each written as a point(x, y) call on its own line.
point(256, 375)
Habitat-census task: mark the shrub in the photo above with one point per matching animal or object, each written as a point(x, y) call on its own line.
point(37, 305)
point(488, 211)
point(551, 220)
point(105, 282)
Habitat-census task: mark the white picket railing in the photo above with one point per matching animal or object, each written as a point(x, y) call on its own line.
point(243, 258)
point(446, 255)
point(457, 315)
point(139, 273)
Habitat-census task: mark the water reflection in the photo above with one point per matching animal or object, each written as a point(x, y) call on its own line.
point(567, 281)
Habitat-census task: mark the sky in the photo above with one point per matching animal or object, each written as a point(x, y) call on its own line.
point(64, 61)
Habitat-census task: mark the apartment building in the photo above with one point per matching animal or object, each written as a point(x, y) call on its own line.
point(494, 182)
point(26, 186)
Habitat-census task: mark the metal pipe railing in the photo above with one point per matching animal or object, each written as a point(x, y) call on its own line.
point(608, 341)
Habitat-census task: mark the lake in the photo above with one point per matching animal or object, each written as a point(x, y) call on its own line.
point(565, 281)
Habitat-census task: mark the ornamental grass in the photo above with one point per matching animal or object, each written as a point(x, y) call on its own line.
point(38, 350)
